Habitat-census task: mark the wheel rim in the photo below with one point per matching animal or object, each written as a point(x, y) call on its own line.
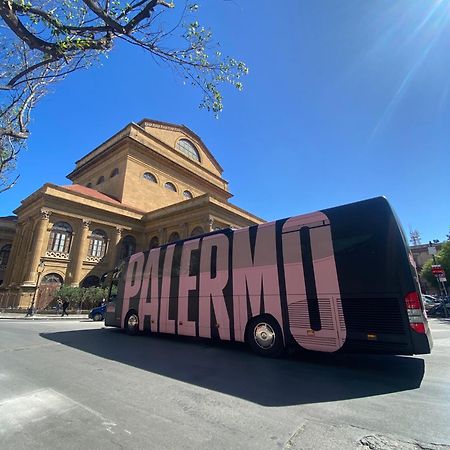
point(133, 322)
point(264, 335)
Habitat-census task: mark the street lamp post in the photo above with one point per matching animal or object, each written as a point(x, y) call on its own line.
point(40, 269)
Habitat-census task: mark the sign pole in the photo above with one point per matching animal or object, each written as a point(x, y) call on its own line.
point(439, 273)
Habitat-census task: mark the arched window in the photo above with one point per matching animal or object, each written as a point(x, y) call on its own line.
point(52, 279)
point(170, 186)
point(100, 180)
point(114, 173)
point(89, 185)
point(187, 195)
point(128, 247)
point(154, 242)
point(197, 231)
point(97, 243)
point(173, 237)
point(188, 148)
point(150, 177)
point(90, 281)
point(60, 238)
point(4, 255)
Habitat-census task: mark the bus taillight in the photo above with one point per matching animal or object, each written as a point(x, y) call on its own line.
point(415, 313)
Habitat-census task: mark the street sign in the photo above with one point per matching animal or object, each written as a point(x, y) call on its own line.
point(439, 274)
point(442, 279)
point(437, 269)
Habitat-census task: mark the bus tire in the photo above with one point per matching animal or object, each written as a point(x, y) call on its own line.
point(131, 324)
point(264, 336)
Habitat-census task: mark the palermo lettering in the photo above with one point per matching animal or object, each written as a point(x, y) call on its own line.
point(212, 287)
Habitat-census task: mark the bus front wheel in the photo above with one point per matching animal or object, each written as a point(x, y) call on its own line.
point(264, 336)
point(132, 323)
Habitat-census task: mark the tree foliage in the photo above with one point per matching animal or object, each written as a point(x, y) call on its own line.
point(43, 41)
point(442, 258)
point(82, 298)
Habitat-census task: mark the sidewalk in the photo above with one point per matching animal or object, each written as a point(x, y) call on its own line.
point(16, 315)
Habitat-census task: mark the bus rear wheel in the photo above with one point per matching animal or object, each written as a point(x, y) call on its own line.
point(264, 336)
point(132, 323)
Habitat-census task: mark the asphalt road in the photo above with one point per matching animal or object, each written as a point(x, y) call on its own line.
point(76, 384)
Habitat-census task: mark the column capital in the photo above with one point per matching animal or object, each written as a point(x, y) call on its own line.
point(45, 214)
point(86, 223)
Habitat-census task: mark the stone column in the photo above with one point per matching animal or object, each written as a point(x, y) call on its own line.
point(114, 248)
point(185, 227)
point(80, 253)
point(162, 236)
point(20, 271)
point(147, 238)
point(37, 247)
point(210, 225)
point(13, 255)
point(141, 242)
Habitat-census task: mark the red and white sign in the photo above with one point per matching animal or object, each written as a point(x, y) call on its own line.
point(436, 269)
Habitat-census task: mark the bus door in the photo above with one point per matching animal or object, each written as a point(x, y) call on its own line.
point(316, 319)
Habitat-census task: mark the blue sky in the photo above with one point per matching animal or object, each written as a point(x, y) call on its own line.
point(346, 100)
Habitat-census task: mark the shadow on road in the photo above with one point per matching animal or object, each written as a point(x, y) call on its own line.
point(232, 370)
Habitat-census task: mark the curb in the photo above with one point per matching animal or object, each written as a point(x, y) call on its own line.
point(45, 318)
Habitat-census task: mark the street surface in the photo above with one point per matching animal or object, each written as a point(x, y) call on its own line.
point(77, 385)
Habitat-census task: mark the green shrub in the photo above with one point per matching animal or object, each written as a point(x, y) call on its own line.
point(82, 298)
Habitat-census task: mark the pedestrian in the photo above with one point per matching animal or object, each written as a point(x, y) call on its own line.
point(65, 306)
point(58, 306)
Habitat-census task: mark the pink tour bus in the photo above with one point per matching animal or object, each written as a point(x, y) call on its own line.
point(340, 279)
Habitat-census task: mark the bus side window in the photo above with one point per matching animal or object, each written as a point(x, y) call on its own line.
point(113, 291)
point(114, 283)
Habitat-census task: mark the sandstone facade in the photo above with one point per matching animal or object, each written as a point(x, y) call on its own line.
point(151, 183)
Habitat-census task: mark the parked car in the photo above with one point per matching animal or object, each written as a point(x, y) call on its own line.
point(429, 302)
point(97, 314)
point(438, 309)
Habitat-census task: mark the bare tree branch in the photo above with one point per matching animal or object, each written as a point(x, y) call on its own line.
point(43, 41)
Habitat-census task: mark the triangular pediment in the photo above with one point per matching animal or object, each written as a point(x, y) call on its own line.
point(170, 134)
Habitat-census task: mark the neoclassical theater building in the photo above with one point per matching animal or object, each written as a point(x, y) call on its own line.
point(149, 184)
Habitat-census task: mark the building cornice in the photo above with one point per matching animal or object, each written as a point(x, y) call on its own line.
point(204, 200)
point(93, 156)
point(49, 190)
